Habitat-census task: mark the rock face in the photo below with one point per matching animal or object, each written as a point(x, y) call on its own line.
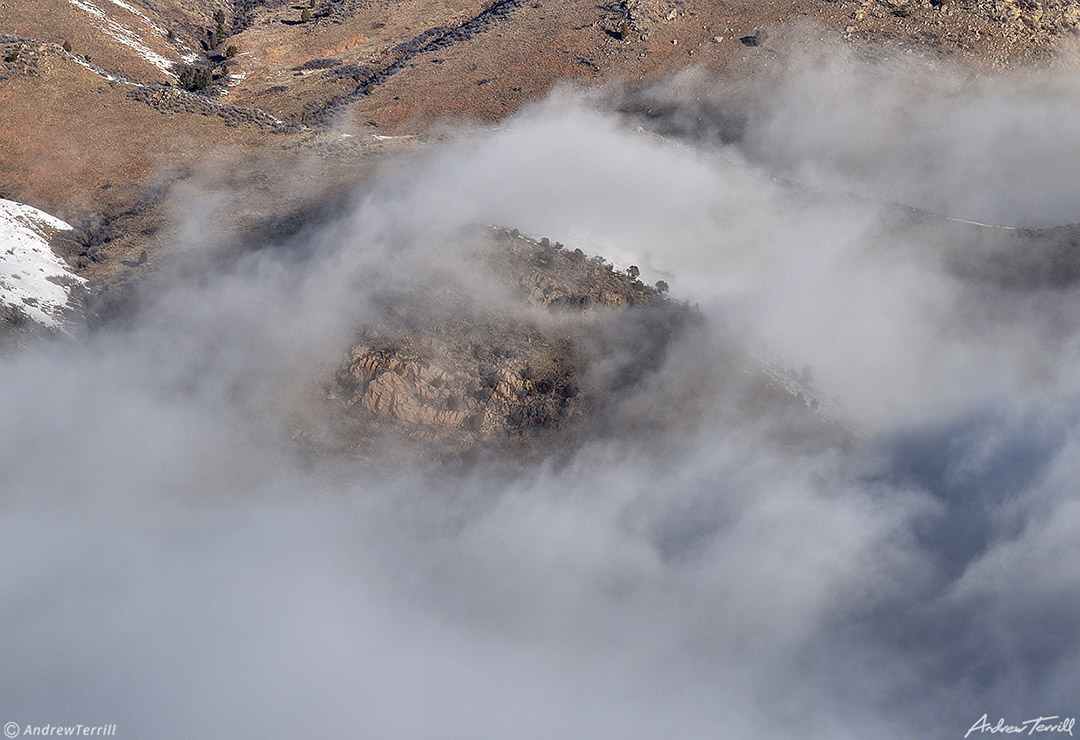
point(491, 380)
point(561, 333)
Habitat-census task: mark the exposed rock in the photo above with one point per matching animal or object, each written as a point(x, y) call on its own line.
point(459, 388)
point(568, 332)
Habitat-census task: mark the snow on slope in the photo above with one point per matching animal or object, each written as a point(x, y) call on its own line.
point(33, 279)
point(126, 36)
point(188, 56)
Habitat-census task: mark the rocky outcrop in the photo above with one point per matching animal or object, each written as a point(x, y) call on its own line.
point(166, 99)
point(467, 371)
point(465, 384)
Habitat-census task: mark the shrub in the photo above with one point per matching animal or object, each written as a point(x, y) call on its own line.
point(305, 16)
point(195, 78)
point(12, 57)
point(231, 51)
point(633, 271)
point(662, 286)
point(67, 46)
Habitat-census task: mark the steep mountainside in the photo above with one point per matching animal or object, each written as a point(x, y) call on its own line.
point(114, 112)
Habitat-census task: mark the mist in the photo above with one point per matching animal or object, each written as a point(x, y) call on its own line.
point(178, 565)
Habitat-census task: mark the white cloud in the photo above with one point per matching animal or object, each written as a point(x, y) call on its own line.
point(176, 566)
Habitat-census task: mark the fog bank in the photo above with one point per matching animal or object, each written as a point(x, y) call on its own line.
point(179, 566)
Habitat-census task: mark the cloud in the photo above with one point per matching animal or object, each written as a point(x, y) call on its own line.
point(176, 564)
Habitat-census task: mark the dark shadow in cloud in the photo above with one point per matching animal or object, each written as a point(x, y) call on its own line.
point(977, 467)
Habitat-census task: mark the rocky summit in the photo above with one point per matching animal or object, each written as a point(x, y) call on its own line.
point(516, 364)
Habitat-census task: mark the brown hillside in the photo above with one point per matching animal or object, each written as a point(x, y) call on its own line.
point(97, 141)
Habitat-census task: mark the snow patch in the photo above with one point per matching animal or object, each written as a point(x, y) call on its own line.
point(125, 35)
point(33, 279)
point(235, 79)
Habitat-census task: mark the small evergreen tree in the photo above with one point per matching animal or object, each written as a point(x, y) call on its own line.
point(218, 34)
